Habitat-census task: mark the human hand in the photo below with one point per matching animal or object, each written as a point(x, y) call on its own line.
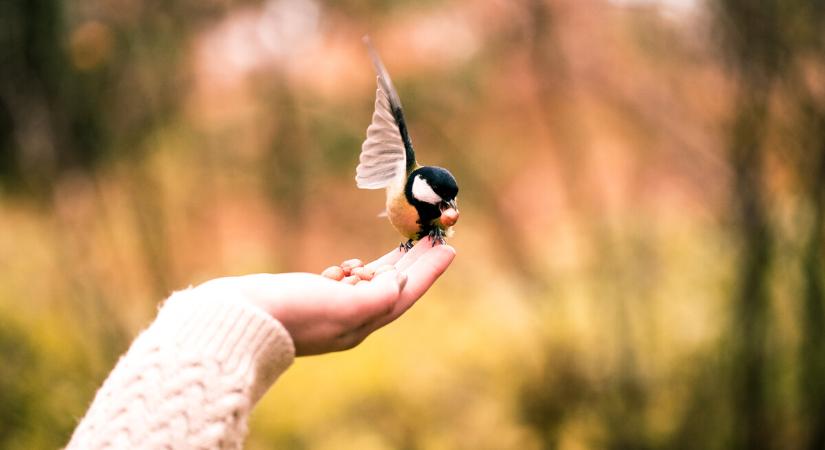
point(323, 315)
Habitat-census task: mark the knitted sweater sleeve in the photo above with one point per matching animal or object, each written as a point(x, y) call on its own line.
point(190, 379)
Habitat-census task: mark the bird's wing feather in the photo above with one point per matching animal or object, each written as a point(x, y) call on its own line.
point(383, 155)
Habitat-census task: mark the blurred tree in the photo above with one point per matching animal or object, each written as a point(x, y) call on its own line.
point(49, 118)
point(766, 44)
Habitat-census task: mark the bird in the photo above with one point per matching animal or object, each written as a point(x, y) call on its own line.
point(421, 200)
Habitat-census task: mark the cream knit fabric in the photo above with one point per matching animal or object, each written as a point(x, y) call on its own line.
point(190, 379)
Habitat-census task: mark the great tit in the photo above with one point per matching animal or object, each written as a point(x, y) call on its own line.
point(421, 200)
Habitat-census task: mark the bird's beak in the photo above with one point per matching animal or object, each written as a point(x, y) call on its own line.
point(449, 215)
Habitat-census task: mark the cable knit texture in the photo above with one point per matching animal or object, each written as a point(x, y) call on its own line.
point(191, 379)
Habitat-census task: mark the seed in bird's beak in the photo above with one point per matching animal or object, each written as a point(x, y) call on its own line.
point(449, 217)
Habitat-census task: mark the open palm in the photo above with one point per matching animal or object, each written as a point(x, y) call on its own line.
point(324, 315)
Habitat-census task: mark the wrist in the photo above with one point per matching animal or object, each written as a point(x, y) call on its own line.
point(218, 325)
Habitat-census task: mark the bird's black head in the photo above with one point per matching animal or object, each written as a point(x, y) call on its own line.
point(431, 185)
point(432, 191)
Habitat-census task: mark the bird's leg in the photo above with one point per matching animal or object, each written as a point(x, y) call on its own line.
point(406, 246)
point(437, 235)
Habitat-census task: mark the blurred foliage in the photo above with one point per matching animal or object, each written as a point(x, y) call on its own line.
point(641, 250)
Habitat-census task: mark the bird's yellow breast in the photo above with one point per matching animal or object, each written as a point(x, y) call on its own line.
point(403, 215)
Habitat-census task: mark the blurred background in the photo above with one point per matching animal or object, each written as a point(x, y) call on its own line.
point(640, 254)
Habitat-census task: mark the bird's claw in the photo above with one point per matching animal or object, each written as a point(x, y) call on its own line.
point(437, 236)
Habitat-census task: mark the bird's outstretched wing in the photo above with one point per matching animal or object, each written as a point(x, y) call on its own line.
point(387, 152)
point(382, 154)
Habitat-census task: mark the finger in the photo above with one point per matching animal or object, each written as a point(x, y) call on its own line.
point(376, 298)
point(383, 269)
point(388, 259)
point(421, 248)
point(350, 279)
point(423, 273)
point(420, 276)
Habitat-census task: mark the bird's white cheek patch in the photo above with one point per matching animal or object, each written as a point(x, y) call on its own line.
point(422, 191)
